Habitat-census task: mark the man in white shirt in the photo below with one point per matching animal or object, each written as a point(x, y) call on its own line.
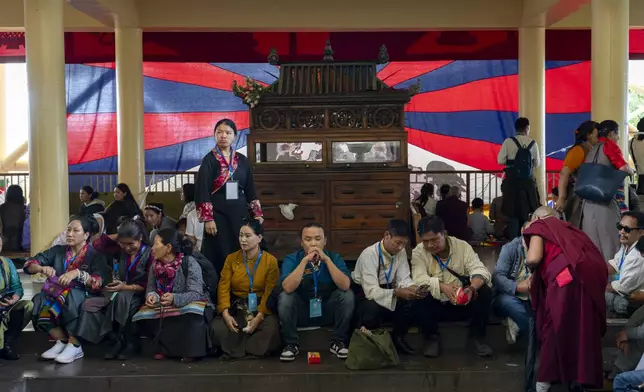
point(509, 148)
point(520, 155)
point(627, 265)
point(194, 229)
point(458, 282)
point(383, 284)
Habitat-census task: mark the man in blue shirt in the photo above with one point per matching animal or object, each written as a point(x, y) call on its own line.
point(511, 281)
point(316, 292)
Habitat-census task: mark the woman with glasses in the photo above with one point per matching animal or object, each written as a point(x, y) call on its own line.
point(112, 313)
point(246, 325)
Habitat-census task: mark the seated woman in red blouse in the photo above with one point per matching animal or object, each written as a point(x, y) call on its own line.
point(224, 195)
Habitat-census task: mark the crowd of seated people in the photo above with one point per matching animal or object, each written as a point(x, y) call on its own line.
point(123, 273)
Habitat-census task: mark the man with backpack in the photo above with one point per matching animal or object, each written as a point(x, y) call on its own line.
point(520, 155)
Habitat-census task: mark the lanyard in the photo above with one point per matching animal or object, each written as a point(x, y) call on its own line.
point(382, 262)
point(166, 289)
point(440, 262)
point(315, 279)
point(70, 261)
point(135, 261)
point(624, 254)
point(251, 277)
point(229, 164)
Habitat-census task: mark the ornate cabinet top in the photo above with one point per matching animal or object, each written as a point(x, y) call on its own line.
point(326, 95)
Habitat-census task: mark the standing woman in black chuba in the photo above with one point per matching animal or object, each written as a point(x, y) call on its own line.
point(224, 195)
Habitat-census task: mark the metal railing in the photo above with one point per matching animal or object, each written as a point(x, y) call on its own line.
point(483, 184)
point(473, 183)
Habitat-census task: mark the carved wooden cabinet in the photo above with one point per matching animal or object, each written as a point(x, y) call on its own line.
point(330, 138)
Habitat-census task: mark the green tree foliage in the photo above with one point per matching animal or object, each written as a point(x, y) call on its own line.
point(635, 106)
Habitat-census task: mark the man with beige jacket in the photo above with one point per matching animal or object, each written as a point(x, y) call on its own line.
point(458, 284)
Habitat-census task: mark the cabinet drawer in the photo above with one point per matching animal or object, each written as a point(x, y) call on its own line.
point(368, 192)
point(303, 214)
point(282, 243)
point(364, 217)
point(351, 243)
point(290, 192)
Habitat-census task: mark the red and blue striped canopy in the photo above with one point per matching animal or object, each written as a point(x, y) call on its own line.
point(465, 109)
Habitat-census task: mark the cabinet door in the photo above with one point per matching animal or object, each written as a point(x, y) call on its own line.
point(349, 243)
point(373, 217)
point(302, 215)
point(368, 192)
point(279, 192)
point(282, 243)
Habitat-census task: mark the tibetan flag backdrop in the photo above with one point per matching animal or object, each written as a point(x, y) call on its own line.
point(465, 110)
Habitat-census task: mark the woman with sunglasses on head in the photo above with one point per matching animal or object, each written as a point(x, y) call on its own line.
point(246, 326)
point(75, 271)
point(224, 195)
point(568, 203)
point(112, 313)
point(176, 307)
point(156, 219)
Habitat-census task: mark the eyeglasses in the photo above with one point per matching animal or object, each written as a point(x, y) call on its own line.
point(626, 229)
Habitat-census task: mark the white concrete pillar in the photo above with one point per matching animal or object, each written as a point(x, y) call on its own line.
point(532, 94)
point(129, 98)
point(49, 190)
point(610, 24)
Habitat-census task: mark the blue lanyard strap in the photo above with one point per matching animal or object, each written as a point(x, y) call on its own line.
point(441, 264)
point(251, 277)
point(135, 261)
point(624, 254)
point(315, 278)
point(382, 262)
point(229, 164)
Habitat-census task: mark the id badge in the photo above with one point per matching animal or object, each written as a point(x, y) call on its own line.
point(232, 190)
point(252, 302)
point(315, 308)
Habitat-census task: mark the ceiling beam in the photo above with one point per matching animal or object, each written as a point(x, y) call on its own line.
point(545, 13)
point(112, 13)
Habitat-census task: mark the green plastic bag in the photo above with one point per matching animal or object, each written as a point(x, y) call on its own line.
point(371, 350)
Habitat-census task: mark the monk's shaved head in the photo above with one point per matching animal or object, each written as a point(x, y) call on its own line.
point(544, 212)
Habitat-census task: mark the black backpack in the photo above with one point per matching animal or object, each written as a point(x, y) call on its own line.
point(208, 272)
point(522, 164)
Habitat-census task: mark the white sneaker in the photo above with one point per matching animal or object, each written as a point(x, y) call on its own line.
point(53, 352)
point(70, 354)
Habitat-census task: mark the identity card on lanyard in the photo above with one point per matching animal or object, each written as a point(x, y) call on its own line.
point(382, 262)
point(232, 188)
point(252, 296)
point(315, 303)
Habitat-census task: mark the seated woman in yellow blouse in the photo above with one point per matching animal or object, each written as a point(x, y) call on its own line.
point(246, 326)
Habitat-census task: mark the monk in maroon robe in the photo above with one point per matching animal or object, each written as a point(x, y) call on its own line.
point(567, 294)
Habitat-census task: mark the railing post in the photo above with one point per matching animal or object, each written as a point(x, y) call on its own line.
point(467, 188)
